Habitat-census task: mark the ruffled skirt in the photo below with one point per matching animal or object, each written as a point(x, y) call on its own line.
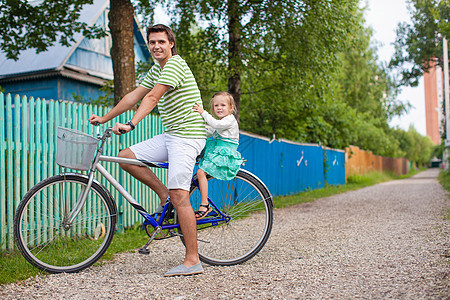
point(221, 160)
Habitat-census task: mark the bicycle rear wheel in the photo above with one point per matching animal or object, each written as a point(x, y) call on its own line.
point(41, 228)
point(248, 205)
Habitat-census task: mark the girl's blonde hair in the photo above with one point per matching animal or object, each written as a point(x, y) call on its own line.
point(230, 99)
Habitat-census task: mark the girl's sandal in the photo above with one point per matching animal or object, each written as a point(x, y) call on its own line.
point(200, 214)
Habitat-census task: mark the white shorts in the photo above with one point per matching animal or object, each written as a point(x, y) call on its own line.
point(181, 153)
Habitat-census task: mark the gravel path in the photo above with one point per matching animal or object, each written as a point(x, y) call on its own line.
point(386, 241)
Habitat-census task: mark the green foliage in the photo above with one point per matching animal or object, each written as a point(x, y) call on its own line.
point(290, 58)
point(108, 98)
point(194, 44)
point(420, 42)
point(359, 99)
point(444, 179)
point(284, 59)
point(308, 70)
point(415, 147)
point(25, 25)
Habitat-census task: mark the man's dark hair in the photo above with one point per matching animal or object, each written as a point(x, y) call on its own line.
point(168, 31)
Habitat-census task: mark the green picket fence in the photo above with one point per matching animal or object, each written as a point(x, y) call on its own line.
point(28, 150)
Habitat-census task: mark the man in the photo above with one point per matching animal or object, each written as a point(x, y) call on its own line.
point(171, 85)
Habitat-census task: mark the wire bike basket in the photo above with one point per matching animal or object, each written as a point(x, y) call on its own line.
point(75, 149)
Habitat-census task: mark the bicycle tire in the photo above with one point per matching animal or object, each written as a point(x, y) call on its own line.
point(249, 205)
point(40, 231)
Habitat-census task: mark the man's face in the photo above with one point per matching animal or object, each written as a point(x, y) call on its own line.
point(160, 47)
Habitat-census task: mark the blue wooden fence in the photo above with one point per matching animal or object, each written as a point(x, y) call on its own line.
point(287, 167)
point(28, 151)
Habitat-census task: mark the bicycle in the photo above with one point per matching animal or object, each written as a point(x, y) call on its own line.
point(65, 223)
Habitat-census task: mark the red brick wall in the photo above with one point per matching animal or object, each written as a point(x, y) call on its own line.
point(431, 104)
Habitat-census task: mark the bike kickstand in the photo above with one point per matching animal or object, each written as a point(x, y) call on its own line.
point(144, 249)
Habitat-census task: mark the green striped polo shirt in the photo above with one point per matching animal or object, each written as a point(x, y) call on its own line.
point(175, 107)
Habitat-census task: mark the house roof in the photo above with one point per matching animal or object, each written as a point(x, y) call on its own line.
point(56, 56)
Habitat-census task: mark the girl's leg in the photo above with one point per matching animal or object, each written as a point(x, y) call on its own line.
point(203, 184)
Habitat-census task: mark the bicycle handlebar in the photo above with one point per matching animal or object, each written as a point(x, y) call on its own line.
point(109, 129)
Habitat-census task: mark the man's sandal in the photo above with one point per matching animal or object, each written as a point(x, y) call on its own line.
point(200, 214)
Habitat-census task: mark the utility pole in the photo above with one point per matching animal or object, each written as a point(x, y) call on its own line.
point(447, 106)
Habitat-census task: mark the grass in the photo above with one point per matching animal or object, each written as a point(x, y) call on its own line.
point(13, 267)
point(444, 180)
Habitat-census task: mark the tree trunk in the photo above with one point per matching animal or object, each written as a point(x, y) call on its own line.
point(234, 53)
point(121, 17)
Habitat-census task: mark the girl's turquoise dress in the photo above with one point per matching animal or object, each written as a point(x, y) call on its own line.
point(221, 159)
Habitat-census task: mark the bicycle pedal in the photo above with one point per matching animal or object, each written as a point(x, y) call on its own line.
point(144, 251)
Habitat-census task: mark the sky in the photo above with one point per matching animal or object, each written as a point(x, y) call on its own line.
point(383, 16)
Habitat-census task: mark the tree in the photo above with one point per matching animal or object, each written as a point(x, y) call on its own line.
point(290, 58)
point(24, 24)
point(419, 43)
point(273, 52)
point(367, 88)
point(416, 148)
point(121, 18)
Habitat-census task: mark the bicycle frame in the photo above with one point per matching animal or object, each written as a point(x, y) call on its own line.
point(96, 166)
point(57, 231)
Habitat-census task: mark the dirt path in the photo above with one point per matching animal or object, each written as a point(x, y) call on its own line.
point(385, 241)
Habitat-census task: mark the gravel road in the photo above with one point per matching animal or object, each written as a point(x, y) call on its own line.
point(386, 241)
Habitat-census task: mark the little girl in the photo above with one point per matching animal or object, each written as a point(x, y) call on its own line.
point(221, 160)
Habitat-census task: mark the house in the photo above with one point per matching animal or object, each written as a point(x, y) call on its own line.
point(64, 72)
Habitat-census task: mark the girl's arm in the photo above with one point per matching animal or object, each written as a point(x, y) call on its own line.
point(209, 131)
point(224, 123)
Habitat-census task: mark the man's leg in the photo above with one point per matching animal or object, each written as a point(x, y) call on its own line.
point(145, 175)
point(180, 200)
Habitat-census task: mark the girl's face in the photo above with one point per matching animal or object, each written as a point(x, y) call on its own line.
point(222, 106)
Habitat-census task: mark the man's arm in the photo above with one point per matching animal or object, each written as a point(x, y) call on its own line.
point(149, 102)
point(126, 103)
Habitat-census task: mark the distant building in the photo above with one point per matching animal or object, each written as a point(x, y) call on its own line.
point(62, 72)
point(434, 99)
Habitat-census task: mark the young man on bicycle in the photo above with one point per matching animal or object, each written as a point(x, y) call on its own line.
point(171, 85)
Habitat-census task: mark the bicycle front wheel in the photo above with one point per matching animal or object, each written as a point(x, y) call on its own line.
point(44, 234)
point(247, 206)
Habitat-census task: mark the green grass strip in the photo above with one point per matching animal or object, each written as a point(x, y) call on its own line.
point(444, 180)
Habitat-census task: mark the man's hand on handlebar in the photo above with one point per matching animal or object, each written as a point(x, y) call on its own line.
point(96, 120)
point(120, 128)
